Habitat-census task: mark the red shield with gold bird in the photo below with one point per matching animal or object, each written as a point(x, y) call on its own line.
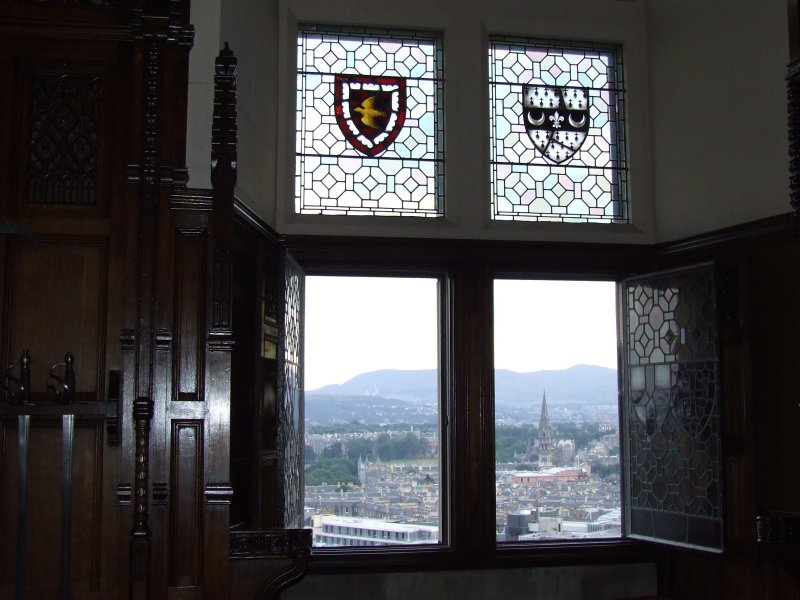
point(370, 111)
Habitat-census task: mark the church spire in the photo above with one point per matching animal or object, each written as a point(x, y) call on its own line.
point(545, 433)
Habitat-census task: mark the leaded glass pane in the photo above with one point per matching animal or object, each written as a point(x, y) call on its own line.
point(671, 408)
point(369, 123)
point(557, 131)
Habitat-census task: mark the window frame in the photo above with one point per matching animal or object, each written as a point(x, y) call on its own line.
point(444, 302)
point(438, 159)
point(466, 145)
point(618, 142)
point(468, 270)
point(576, 276)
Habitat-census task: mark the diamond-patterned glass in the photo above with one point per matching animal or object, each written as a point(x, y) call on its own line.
point(671, 408)
point(557, 131)
point(334, 172)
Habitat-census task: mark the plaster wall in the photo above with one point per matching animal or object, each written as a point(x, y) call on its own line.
point(720, 149)
point(706, 108)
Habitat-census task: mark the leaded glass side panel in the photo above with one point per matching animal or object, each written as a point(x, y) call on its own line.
point(672, 408)
point(369, 123)
point(289, 435)
point(557, 131)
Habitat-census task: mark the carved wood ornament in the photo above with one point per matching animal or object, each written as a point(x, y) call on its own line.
point(793, 100)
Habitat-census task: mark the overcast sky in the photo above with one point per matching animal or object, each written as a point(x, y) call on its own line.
point(538, 325)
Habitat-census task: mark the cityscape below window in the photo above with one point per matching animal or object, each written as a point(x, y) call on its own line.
point(372, 444)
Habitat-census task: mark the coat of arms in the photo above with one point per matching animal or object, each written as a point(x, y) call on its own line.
point(556, 119)
point(370, 111)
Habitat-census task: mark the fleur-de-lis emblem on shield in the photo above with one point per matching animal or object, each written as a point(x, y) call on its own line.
point(556, 119)
point(370, 111)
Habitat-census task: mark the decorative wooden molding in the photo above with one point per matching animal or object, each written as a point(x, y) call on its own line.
point(140, 535)
point(778, 528)
point(292, 544)
point(124, 493)
point(148, 176)
point(60, 29)
point(223, 180)
point(778, 534)
point(195, 199)
point(247, 217)
point(160, 493)
point(220, 341)
point(793, 100)
point(218, 493)
point(266, 543)
point(764, 229)
point(127, 337)
point(169, 24)
point(163, 339)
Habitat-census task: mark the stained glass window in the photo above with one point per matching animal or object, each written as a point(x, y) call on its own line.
point(369, 123)
point(671, 408)
point(557, 131)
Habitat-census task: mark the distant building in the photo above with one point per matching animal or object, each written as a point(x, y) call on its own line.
point(333, 530)
point(552, 474)
point(564, 453)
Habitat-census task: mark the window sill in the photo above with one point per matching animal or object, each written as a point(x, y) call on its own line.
point(508, 555)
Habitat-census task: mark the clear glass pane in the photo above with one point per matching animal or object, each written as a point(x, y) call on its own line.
point(372, 468)
point(556, 410)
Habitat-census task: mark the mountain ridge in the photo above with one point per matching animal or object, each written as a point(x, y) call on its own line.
point(584, 384)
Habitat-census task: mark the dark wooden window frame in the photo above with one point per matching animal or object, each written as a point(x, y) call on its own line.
point(468, 270)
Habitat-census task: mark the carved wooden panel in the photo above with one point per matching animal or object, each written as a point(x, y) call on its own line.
point(63, 129)
point(57, 303)
point(186, 523)
point(190, 313)
point(275, 559)
point(63, 144)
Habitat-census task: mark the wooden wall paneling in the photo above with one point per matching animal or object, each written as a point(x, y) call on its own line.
point(219, 345)
point(87, 507)
point(148, 59)
point(72, 16)
point(186, 522)
point(56, 302)
point(191, 249)
point(244, 370)
point(265, 424)
point(8, 505)
point(158, 171)
point(67, 83)
point(758, 275)
point(160, 469)
point(737, 418)
point(44, 508)
point(45, 505)
point(120, 557)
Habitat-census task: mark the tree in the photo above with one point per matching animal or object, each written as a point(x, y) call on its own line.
point(310, 455)
point(359, 448)
point(333, 451)
point(331, 471)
